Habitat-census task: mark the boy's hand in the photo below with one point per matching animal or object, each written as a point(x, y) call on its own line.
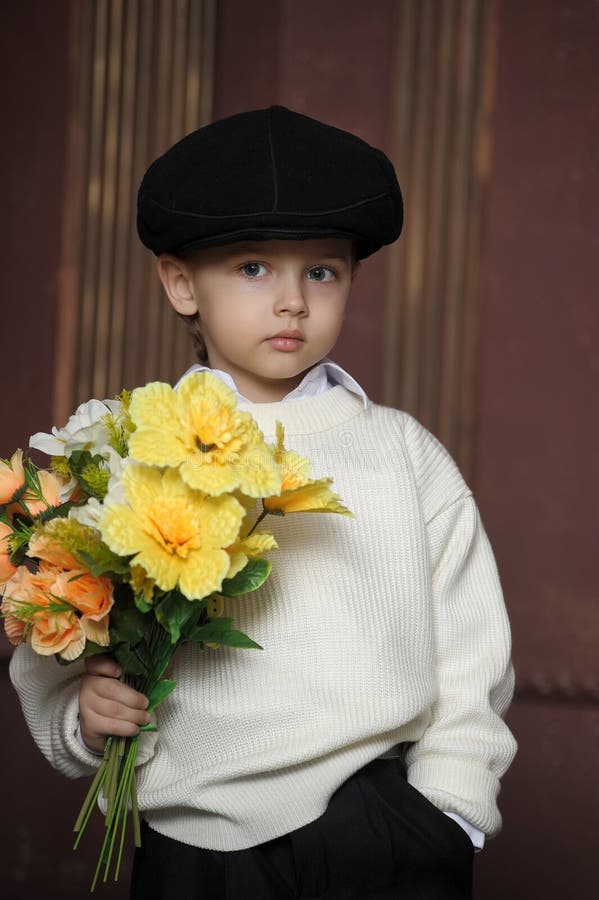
point(106, 705)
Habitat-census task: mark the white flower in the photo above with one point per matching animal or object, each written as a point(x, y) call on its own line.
point(66, 491)
point(90, 512)
point(85, 430)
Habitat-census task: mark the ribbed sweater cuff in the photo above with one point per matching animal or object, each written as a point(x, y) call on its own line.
point(70, 755)
point(467, 789)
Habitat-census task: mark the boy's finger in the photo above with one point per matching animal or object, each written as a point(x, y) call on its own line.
point(116, 691)
point(103, 665)
point(110, 710)
point(98, 726)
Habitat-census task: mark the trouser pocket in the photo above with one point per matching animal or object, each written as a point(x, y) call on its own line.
point(346, 852)
point(433, 853)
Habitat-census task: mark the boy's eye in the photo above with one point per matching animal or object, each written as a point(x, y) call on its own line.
point(252, 269)
point(321, 273)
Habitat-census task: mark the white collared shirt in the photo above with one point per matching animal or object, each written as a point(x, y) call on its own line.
point(326, 374)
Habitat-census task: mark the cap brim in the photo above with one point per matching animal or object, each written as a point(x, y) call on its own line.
point(363, 248)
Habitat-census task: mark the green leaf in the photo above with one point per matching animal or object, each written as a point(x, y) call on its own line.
point(79, 459)
point(174, 612)
point(141, 604)
point(92, 649)
point(159, 693)
point(199, 617)
point(249, 579)
point(90, 471)
point(219, 631)
point(129, 660)
point(127, 624)
point(149, 727)
point(239, 641)
point(18, 542)
point(55, 512)
point(161, 655)
point(212, 630)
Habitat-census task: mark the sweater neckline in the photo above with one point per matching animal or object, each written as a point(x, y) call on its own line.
point(309, 415)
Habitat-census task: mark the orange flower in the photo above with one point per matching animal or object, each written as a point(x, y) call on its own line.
point(41, 546)
point(96, 631)
point(15, 628)
point(33, 600)
point(21, 588)
point(51, 486)
point(12, 476)
point(24, 594)
point(7, 570)
point(58, 632)
point(90, 595)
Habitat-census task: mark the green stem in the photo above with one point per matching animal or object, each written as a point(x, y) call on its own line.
point(262, 515)
point(111, 779)
point(89, 803)
point(108, 842)
point(113, 824)
point(129, 791)
point(135, 809)
point(91, 795)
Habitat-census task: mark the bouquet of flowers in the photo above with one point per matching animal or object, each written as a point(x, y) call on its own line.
point(132, 540)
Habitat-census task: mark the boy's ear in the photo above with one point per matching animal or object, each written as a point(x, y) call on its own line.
point(177, 282)
point(355, 269)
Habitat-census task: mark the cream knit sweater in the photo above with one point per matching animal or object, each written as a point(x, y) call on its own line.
point(386, 628)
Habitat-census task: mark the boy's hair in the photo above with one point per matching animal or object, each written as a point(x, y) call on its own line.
point(197, 338)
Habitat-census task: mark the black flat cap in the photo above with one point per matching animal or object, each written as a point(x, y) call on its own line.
point(269, 173)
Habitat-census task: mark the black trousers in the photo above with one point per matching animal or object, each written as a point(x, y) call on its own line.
point(379, 839)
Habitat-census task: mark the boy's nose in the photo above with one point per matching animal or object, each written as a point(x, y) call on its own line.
point(290, 298)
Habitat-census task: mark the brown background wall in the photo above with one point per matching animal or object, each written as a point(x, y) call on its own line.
point(535, 446)
point(33, 85)
point(537, 437)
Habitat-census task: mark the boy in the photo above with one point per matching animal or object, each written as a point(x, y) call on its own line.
point(283, 773)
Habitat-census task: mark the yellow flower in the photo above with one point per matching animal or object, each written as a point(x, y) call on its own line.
point(198, 429)
point(252, 547)
point(300, 493)
point(142, 586)
point(177, 535)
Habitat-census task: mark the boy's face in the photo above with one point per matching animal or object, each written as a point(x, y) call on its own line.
point(269, 310)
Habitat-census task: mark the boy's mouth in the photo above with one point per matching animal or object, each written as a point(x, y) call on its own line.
point(290, 339)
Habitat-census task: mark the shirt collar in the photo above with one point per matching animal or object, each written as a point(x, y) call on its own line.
point(326, 374)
